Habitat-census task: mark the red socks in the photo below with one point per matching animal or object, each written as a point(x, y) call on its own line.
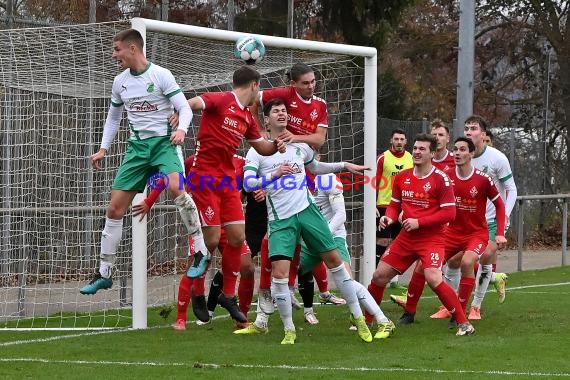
point(415, 290)
point(321, 277)
point(449, 299)
point(466, 286)
point(184, 294)
point(245, 293)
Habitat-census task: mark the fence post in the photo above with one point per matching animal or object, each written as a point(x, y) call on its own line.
point(564, 229)
point(520, 235)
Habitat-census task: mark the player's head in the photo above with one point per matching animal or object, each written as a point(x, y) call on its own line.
point(127, 48)
point(424, 148)
point(441, 133)
point(246, 80)
point(463, 151)
point(275, 113)
point(488, 139)
point(398, 140)
point(475, 129)
point(302, 78)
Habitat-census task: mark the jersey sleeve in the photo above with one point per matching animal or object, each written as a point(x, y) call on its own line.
point(395, 205)
point(168, 85)
point(252, 132)
point(278, 92)
point(116, 100)
point(504, 171)
point(323, 120)
point(210, 100)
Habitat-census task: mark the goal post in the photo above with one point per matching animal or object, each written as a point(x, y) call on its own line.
point(55, 85)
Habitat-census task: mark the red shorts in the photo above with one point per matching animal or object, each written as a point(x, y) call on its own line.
point(402, 253)
point(223, 241)
point(455, 244)
point(218, 201)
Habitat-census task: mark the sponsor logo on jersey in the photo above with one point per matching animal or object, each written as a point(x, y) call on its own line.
point(293, 104)
point(143, 107)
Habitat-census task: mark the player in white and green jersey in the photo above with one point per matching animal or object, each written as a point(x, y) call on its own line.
point(293, 214)
point(150, 95)
point(496, 165)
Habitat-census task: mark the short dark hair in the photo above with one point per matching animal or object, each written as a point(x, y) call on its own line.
point(272, 103)
point(479, 120)
point(469, 142)
point(427, 138)
point(397, 131)
point(438, 123)
point(298, 70)
point(489, 134)
point(130, 35)
point(245, 75)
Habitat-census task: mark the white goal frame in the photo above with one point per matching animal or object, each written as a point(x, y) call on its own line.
point(370, 94)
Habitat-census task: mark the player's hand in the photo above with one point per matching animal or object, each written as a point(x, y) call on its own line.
point(177, 137)
point(401, 217)
point(258, 195)
point(384, 222)
point(287, 137)
point(377, 212)
point(141, 210)
point(173, 120)
point(280, 145)
point(265, 135)
point(501, 241)
point(96, 158)
point(355, 169)
point(282, 170)
point(410, 224)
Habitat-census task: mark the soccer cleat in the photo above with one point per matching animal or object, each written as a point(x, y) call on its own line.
point(251, 329)
point(396, 285)
point(399, 300)
point(199, 308)
point(406, 319)
point(332, 299)
point(231, 305)
point(179, 325)
point(385, 330)
point(465, 329)
point(452, 323)
point(96, 284)
point(442, 313)
point(500, 285)
point(311, 318)
point(240, 325)
point(362, 328)
point(294, 301)
point(265, 301)
point(200, 323)
point(474, 313)
point(199, 265)
point(290, 337)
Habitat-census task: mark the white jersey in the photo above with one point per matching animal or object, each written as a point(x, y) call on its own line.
point(327, 187)
point(146, 100)
point(496, 165)
point(288, 195)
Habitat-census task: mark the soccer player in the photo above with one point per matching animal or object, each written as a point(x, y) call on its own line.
point(443, 158)
point(466, 236)
point(307, 122)
point(424, 194)
point(496, 165)
point(488, 139)
point(150, 94)
point(293, 214)
point(225, 121)
point(389, 164)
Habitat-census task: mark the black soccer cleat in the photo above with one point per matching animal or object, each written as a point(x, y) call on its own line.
point(231, 305)
point(406, 319)
point(199, 308)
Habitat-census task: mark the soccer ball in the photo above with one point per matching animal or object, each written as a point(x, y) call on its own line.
point(250, 49)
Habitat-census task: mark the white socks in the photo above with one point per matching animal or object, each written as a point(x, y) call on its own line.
point(452, 276)
point(282, 295)
point(345, 284)
point(367, 301)
point(110, 240)
point(189, 214)
point(481, 284)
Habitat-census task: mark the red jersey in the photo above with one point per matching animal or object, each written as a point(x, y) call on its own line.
point(446, 164)
point(471, 194)
point(429, 199)
point(303, 116)
point(225, 122)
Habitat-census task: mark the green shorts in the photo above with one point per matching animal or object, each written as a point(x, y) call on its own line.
point(492, 227)
point(144, 158)
point(309, 224)
point(309, 261)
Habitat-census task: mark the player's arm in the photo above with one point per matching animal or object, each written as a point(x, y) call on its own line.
point(446, 211)
point(319, 167)
point(252, 182)
point(336, 201)
point(316, 139)
point(394, 208)
point(501, 215)
point(379, 171)
point(266, 147)
point(511, 195)
point(143, 208)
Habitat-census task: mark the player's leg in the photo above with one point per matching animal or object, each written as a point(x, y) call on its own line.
point(467, 282)
point(415, 290)
point(293, 271)
point(247, 280)
point(231, 262)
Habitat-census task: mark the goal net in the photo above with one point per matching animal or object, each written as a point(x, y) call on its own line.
point(55, 86)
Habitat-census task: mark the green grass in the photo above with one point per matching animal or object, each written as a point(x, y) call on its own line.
point(525, 338)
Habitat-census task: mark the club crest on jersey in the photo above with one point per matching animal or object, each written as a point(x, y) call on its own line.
point(150, 87)
point(209, 213)
point(298, 151)
point(427, 187)
point(313, 115)
point(473, 192)
point(485, 169)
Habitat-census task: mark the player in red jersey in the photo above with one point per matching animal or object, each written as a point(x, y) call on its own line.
point(424, 195)
point(467, 235)
point(307, 121)
point(443, 158)
point(226, 120)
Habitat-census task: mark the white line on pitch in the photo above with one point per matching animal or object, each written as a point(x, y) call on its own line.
point(285, 367)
